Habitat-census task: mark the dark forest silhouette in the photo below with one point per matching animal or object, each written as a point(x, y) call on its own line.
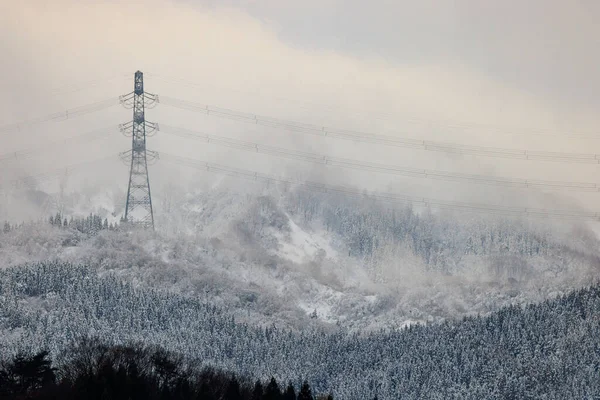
point(135, 372)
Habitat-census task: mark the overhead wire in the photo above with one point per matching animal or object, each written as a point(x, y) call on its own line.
point(347, 163)
point(78, 86)
point(377, 167)
point(28, 180)
point(391, 197)
point(82, 138)
point(463, 125)
point(62, 115)
point(427, 145)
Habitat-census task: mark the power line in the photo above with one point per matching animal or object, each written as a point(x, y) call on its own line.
point(513, 131)
point(62, 115)
point(48, 175)
point(377, 167)
point(84, 138)
point(427, 145)
point(75, 87)
point(423, 201)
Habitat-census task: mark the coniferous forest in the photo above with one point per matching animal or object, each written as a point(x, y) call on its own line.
point(90, 309)
point(548, 350)
point(299, 200)
point(107, 313)
point(92, 370)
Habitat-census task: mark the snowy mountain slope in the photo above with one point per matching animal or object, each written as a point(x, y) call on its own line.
point(547, 350)
point(297, 258)
point(301, 246)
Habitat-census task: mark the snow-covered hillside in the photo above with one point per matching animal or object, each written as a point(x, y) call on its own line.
point(548, 350)
point(299, 259)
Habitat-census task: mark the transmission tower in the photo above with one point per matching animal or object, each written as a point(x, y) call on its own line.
point(138, 209)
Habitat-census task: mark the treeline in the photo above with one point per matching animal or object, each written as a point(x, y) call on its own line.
point(90, 225)
point(366, 224)
point(440, 241)
point(92, 370)
point(549, 350)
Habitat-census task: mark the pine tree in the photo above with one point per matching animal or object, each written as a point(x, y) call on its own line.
point(257, 392)
point(290, 392)
point(25, 374)
point(305, 392)
point(206, 392)
point(233, 390)
point(272, 391)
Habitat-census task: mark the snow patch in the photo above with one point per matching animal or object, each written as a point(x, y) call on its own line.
point(323, 301)
point(302, 246)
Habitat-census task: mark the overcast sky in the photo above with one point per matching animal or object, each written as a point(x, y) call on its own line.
point(543, 46)
point(490, 73)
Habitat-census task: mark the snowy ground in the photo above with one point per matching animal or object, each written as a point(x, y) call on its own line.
point(252, 254)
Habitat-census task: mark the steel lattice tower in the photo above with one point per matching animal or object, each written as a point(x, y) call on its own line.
point(138, 209)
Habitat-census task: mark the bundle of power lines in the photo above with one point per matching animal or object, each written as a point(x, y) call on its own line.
point(324, 159)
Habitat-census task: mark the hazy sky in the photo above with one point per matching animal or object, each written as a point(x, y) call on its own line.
point(491, 73)
point(543, 46)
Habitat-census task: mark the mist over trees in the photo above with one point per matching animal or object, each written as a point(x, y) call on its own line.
point(440, 240)
point(548, 349)
point(354, 200)
point(204, 293)
point(343, 261)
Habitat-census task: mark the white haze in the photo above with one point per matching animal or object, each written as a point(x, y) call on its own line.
point(247, 57)
point(251, 57)
point(509, 75)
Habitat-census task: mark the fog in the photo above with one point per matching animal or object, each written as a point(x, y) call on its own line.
point(509, 75)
